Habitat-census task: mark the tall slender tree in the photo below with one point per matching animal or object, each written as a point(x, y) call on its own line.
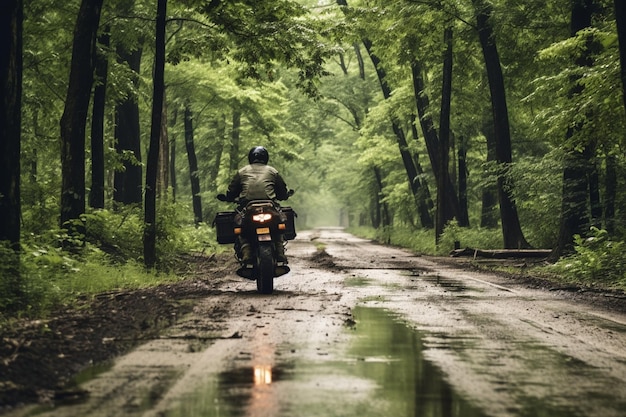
point(158, 92)
point(574, 214)
point(511, 227)
point(11, 19)
point(74, 119)
point(96, 194)
point(194, 173)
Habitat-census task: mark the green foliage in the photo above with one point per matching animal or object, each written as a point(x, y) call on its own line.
point(598, 259)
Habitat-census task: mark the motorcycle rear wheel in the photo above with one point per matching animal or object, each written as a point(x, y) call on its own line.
point(265, 276)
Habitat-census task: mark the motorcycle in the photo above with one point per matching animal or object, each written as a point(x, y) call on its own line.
point(264, 225)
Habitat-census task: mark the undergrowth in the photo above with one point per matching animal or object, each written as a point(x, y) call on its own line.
point(110, 258)
point(597, 261)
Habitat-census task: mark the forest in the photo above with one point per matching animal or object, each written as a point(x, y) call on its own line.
point(427, 124)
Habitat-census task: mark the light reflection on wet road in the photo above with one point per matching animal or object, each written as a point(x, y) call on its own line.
point(382, 373)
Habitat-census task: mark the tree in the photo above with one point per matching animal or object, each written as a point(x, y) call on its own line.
point(127, 181)
point(74, 117)
point(194, 174)
point(11, 18)
point(96, 195)
point(10, 119)
point(511, 228)
point(574, 214)
point(158, 92)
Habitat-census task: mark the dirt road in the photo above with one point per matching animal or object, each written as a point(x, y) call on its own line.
point(366, 330)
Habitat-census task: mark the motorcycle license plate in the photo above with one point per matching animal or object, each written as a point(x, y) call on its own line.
point(263, 231)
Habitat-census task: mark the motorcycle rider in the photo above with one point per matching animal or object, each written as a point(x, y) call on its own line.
point(257, 181)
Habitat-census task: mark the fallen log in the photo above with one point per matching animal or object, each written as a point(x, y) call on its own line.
point(501, 253)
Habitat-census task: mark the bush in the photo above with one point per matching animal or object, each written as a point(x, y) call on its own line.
point(597, 259)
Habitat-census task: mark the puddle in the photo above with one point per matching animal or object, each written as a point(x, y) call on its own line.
point(356, 281)
point(446, 283)
point(383, 373)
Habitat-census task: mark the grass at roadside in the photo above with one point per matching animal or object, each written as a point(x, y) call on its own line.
point(597, 261)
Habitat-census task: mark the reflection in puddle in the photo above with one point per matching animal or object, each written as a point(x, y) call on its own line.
point(446, 283)
point(262, 375)
point(390, 353)
point(383, 373)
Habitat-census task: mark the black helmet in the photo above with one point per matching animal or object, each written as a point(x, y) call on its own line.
point(258, 154)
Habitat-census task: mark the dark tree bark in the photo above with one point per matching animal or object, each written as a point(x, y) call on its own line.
point(444, 136)
point(194, 174)
point(220, 132)
point(11, 24)
point(96, 194)
point(128, 182)
point(574, 213)
point(488, 216)
point(432, 141)
point(11, 20)
point(164, 153)
point(620, 19)
point(74, 117)
point(511, 229)
point(158, 91)
point(382, 210)
point(234, 141)
point(173, 156)
point(359, 59)
point(462, 161)
point(610, 186)
point(420, 171)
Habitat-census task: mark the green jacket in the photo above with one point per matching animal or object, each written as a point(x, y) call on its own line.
point(257, 182)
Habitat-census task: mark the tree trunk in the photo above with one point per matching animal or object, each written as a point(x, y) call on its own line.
point(574, 213)
point(432, 141)
point(96, 194)
point(194, 174)
point(173, 156)
point(463, 205)
point(158, 90)
point(359, 60)
point(74, 118)
point(234, 141)
point(610, 186)
point(593, 178)
point(384, 219)
point(511, 229)
point(128, 182)
point(444, 136)
point(488, 216)
point(11, 27)
point(424, 189)
point(620, 19)
point(219, 126)
point(164, 153)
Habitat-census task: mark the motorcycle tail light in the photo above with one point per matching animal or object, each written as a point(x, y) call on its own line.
point(261, 217)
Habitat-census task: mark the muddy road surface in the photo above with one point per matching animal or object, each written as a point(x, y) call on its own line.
point(359, 329)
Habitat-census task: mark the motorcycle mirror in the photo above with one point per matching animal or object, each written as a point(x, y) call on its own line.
point(291, 192)
point(221, 197)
